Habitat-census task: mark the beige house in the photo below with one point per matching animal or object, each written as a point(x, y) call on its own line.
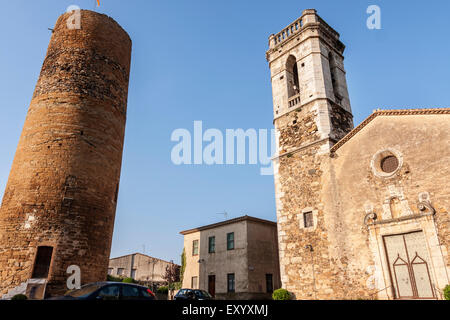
point(140, 267)
point(362, 212)
point(234, 259)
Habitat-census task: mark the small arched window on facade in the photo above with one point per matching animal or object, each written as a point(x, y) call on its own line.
point(292, 77)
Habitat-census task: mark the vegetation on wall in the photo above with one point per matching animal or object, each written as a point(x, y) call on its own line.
point(183, 265)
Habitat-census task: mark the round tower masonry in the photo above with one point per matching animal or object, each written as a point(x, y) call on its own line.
point(62, 189)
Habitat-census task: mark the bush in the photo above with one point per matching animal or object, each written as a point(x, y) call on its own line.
point(163, 290)
point(447, 292)
point(19, 297)
point(128, 280)
point(114, 279)
point(281, 294)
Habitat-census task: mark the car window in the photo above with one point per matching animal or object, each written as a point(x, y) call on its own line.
point(130, 292)
point(206, 294)
point(109, 293)
point(182, 292)
point(84, 291)
point(145, 293)
point(189, 293)
point(202, 294)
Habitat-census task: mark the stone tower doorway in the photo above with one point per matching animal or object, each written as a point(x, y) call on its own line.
point(409, 266)
point(43, 261)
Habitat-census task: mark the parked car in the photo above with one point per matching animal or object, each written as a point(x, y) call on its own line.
point(192, 294)
point(109, 291)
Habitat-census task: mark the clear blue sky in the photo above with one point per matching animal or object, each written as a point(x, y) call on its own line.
point(205, 60)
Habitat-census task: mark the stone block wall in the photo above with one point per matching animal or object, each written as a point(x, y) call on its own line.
point(63, 186)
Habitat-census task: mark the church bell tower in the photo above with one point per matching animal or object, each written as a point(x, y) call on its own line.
point(308, 78)
point(311, 113)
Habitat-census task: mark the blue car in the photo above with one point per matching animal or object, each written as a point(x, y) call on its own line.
point(108, 291)
point(192, 294)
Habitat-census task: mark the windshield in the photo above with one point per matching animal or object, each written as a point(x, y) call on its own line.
point(84, 291)
point(181, 292)
point(202, 294)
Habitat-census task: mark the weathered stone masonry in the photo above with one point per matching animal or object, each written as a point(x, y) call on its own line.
point(63, 186)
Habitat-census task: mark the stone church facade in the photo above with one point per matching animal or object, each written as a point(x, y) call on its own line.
point(362, 212)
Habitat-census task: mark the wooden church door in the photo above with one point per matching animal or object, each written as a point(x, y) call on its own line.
point(408, 259)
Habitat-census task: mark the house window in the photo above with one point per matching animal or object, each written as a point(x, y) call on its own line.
point(230, 241)
point(194, 282)
point(195, 248)
point(230, 282)
point(269, 283)
point(212, 244)
point(120, 271)
point(308, 219)
point(110, 271)
point(42, 262)
point(133, 274)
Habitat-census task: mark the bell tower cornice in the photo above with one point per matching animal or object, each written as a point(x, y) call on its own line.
point(309, 25)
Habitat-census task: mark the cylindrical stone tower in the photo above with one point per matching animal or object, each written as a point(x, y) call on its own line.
point(59, 205)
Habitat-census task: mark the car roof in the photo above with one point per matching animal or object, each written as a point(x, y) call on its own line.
point(193, 289)
point(104, 283)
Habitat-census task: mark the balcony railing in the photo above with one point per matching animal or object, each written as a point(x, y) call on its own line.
point(292, 29)
point(294, 101)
